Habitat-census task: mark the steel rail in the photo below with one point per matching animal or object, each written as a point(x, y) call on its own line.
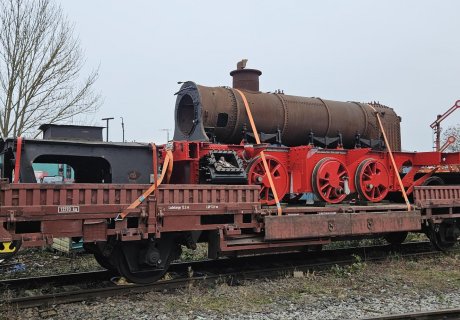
point(208, 271)
point(444, 314)
point(220, 263)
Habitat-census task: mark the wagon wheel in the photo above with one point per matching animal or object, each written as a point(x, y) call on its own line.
point(258, 176)
point(144, 262)
point(372, 180)
point(105, 262)
point(396, 238)
point(329, 180)
point(9, 248)
point(444, 236)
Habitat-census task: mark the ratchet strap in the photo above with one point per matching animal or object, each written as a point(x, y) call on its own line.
point(403, 191)
point(155, 164)
point(166, 171)
point(262, 154)
point(17, 165)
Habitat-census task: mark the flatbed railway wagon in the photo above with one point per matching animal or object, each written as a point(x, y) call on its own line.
point(230, 218)
point(291, 187)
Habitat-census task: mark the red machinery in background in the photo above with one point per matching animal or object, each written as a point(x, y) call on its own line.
point(436, 126)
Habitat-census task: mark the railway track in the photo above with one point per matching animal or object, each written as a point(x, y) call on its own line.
point(73, 287)
point(447, 314)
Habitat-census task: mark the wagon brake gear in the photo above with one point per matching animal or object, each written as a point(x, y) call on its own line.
point(165, 172)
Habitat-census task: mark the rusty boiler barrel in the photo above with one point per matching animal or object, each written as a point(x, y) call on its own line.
point(220, 111)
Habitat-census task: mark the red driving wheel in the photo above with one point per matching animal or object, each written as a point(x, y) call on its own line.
point(329, 180)
point(280, 176)
point(372, 180)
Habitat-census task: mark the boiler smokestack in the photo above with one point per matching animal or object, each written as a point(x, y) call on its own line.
point(246, 79)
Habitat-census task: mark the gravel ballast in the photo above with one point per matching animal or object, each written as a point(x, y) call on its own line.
point(360, 290)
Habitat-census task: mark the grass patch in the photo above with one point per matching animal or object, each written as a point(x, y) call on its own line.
point(41, 262)
point(411, 237)
point(200, 253)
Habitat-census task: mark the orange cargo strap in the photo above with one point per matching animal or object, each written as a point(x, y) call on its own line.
point(262, 154)
point(17, 165)
point(165, 171)
point(155, 164)
point(403, 191)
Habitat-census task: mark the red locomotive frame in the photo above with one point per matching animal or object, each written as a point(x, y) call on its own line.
point(326, 172)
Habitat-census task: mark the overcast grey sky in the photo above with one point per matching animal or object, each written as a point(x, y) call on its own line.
point(405, 54)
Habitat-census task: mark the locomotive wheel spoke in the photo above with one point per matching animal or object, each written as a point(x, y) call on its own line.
point(265, 194)
point(326, 185)
point(372, 180)
point(328, 192)
point(279, 174)
point(275, 172)
point(375, 193)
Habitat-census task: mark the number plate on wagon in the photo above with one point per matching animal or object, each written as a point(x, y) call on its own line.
point(68, 209)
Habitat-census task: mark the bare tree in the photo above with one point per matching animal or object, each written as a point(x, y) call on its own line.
point(40, 66)
point(452, 131)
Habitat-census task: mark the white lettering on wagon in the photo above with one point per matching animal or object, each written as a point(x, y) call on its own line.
point(212, 206)
point(182, 207)
point(68, 209)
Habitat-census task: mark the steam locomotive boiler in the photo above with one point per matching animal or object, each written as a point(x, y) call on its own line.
point(217, 114)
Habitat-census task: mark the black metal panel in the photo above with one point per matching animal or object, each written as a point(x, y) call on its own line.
point(71, 132)
point(93, 162)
